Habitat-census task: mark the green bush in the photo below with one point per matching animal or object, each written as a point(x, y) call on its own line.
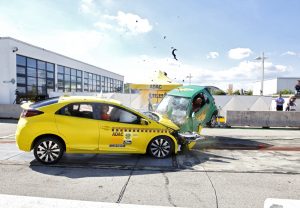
point(218, 92)
point(250, 92)
point(286, 92)
point(236, 92)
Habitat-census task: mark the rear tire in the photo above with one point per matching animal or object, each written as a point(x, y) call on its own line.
point(48, 150)
point(161, 147)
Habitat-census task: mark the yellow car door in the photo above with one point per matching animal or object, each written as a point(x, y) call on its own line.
point(121, 131)
point(78, 126)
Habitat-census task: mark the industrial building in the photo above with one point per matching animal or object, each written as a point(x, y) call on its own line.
point(274, 86)
point(31, 72)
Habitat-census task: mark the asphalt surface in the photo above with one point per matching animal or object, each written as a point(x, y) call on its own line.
point(230, 168)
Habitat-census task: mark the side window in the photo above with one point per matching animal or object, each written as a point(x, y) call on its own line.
point(198, 102)
point(83, 110)
point(116, 114)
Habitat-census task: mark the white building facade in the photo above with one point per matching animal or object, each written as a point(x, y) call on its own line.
point(274, 86)
point(34, 72)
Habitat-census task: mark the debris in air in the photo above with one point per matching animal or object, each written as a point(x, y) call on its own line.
point(165, 37)
point(173, 53)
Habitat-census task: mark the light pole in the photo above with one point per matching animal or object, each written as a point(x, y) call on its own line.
point(262, 58)
point(190, 78)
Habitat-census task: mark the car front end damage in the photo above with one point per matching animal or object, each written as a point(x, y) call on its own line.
point(185, 139)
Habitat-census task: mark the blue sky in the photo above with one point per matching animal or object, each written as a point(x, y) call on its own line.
point(216, 41)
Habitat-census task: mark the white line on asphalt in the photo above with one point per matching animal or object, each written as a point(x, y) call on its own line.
point(13, 201)
point(286, 203)
point(7, 136)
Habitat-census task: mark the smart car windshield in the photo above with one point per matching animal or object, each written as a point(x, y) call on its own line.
point(174, 107)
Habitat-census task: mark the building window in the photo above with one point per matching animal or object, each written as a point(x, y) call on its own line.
point(69, 79)
point(79, 81)
point(32, 79)
point(60, 78)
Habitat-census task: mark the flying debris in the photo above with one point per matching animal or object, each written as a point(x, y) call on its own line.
point(136, 21)
point(165, 37)
point(173, 53)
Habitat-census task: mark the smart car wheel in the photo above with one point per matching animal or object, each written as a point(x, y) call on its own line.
point(160, 147)
point(48, 150)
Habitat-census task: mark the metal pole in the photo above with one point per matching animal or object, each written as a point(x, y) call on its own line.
point(263, 74)
point(190, 78)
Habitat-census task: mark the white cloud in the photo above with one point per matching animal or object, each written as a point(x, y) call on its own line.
point(131, 23)
point(103, 26)
point(291, 53)
point(88, 7)
point(212, 55)
point(239, 53)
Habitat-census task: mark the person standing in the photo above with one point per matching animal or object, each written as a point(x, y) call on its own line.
point(291, 106)
point(279, 103)
point(297, 88)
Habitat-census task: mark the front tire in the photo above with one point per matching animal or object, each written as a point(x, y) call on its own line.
point(48, 150)
point(160, 147)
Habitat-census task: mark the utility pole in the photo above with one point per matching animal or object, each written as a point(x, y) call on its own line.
point(262, 58)
point(190, 78)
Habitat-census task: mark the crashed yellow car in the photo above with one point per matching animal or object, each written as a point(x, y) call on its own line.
point(93, 125)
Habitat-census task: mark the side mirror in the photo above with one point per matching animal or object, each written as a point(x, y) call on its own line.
point(144, 122)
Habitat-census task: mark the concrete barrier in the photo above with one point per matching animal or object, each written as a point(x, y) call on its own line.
point(263, 118)
point(10, 111)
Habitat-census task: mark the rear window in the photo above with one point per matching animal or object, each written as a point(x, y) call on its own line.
point(44, 103)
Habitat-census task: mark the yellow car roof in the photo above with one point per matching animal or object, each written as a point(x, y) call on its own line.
point(87, 99)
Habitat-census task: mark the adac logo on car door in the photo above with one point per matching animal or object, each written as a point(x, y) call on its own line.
point(122, 137)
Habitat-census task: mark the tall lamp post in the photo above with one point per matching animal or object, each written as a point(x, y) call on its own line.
point(190, 78)
point(262, 58)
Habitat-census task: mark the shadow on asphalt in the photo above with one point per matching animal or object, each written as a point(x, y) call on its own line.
point(140, 164)
point(230, 143)
point(100, 165)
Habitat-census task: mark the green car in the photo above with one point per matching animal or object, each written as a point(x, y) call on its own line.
point(190, 108)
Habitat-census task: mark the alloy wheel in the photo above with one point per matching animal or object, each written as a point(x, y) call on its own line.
point(48, 151)
point(160, 147)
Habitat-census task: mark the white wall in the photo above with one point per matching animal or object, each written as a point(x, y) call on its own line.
point(6, 73)
point(270, 87)
point(287, 83)
point(8, 65)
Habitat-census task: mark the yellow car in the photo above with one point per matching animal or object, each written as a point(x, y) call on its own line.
point(93, 125)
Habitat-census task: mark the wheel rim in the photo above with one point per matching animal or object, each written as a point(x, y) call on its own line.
point(48, 151)
point(160, 147)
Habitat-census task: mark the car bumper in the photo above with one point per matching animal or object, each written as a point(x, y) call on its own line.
point(190, 137)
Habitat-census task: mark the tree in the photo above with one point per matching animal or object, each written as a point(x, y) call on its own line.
point(249, 92)
point(286, 92)
point(218, 92)
point(236, 92)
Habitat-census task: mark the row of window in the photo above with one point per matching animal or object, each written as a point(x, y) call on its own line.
point(69, 79)
point(36, 77)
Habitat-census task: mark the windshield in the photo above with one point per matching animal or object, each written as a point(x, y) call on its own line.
point(175, 108)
